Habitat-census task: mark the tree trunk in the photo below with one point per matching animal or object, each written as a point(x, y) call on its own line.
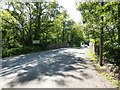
point(119, 24)
point(101, 41)
point(37, 31)
point(63, 33)
point(30, 28)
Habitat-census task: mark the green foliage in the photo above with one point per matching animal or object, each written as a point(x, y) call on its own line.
point(92, 14)
point(20, 50)
point(93, 57)
point(108, 77)
point(92, 41)
point(23, 22)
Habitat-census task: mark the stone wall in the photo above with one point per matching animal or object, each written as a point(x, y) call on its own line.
point(113, 70)
point(56, 46)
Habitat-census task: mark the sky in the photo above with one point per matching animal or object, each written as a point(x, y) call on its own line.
point(70, 6)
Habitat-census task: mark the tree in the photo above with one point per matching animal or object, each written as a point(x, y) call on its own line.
point(23, 22)
point(94, 25)
point(101, 39)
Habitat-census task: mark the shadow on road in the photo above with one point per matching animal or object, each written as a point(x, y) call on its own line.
point(48, 63)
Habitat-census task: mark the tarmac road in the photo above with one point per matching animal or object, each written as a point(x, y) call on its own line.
point(58, 68)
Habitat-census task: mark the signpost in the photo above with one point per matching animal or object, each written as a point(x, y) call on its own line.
point(36, 41)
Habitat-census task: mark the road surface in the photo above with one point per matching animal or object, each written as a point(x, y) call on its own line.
point(58, 68)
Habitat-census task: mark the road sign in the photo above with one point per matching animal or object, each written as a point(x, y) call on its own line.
point(36, 41)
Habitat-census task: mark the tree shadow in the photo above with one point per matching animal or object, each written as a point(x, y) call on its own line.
point(48, 63)
point(60, 82)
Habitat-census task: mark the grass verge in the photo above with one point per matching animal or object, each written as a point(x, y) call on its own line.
point(102, 70)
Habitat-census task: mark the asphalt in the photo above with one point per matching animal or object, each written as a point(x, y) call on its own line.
point(58, 68)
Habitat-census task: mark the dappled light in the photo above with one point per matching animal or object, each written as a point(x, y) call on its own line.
point(53, 67)
point(60, 45)
point(49, 63)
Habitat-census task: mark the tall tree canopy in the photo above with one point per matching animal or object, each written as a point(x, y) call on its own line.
point(92, 22)
point(23, 22)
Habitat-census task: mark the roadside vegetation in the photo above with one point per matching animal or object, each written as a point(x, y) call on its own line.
point(36, 26)
point(101, 24)
point(23, 23)
point(105, 17)
point(103, 70)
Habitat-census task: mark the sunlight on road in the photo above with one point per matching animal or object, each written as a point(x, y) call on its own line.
point(58, 68)
point(76, 52)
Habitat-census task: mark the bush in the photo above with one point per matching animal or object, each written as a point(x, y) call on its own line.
point(112, 54)
point(18, 51)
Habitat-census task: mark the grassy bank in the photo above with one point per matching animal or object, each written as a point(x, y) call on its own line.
point(102, 70)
